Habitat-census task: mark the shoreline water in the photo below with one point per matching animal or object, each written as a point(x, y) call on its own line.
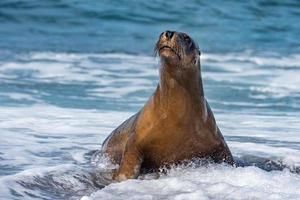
point(58, 107)
point(71, 71)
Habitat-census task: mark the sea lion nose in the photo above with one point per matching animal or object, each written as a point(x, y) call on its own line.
point(169, 34)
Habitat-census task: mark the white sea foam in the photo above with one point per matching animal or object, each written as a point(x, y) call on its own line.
point(42, 135)
point(32, 131)
point(53, 122)
point(64, 180)
point(269, 60)
point(265, 75)
point(18, 96)
point(213, 182)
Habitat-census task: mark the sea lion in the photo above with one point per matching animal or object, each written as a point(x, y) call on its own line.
point(176, 124)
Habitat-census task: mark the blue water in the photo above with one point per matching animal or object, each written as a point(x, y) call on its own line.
point(133, 26)
point(72, 71)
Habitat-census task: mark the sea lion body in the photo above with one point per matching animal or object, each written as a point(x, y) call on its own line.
point(176, 124)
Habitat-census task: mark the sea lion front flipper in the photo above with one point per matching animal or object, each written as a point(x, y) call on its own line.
point(131, 162)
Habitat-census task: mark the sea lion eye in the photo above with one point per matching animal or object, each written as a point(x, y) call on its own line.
point(186, 38)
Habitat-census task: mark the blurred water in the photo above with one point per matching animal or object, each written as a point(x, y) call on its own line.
point(113, 26)
point(71, 71)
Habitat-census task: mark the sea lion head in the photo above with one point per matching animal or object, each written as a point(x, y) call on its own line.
point(178, 50)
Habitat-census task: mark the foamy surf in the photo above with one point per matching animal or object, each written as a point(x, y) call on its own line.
point(57, 108)
point(211, 182)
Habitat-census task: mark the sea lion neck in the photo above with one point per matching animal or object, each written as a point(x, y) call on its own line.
point(179, 79)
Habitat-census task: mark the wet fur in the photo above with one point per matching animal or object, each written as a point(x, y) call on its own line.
point(176, 123)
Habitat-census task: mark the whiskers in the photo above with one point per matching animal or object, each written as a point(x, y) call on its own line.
point(156, 49)
point(198, 49)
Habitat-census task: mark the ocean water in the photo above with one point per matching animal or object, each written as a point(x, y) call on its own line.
point(72, 71)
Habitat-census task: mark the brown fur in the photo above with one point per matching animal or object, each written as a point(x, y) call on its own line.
point(176, 123)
